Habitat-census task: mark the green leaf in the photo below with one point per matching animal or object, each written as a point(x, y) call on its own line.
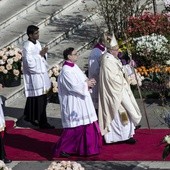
point(166, 152)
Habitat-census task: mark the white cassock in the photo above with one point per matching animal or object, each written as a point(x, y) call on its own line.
point(2, 119)
point(75, 100)
point(115, 98)
point(93, 71)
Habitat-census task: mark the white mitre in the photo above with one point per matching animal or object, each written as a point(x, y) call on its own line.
point(113, 41)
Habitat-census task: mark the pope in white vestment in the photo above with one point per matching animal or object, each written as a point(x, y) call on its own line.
point(118, 109)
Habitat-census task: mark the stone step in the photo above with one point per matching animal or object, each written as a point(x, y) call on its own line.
point(81, 39)
point(12, 12)
point(40, 14)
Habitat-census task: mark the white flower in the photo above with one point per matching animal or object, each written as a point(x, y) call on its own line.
point(167, 139)
point(11, 53)
point(65, 165)
point(2, 62)
point(54, 83)
point(168, 62)
point(8, 66)
point(2, 68)
point(16, 72)
point(2, 165)
point(151, 44)
point(1, 53)
point(4, 58)
point(50, 73)
point(5, 71)
point(16, 59)
point(10, 61)
point(55, 89)
point(167, 3)
point(53, 79)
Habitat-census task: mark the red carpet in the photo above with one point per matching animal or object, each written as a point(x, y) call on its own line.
point(33, 144)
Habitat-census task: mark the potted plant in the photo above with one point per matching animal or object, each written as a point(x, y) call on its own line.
point(10, 66)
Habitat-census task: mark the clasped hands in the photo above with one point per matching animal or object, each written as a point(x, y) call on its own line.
point(44, 51)
point(91, 82)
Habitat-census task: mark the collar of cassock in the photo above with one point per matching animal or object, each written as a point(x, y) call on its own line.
point(34, 42)
point(100, 46)
point(68, 63)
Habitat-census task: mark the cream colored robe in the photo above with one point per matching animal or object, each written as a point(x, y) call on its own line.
point(114, 93)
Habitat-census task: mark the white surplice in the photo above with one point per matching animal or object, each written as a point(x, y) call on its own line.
point(35, 70)
point(2, 119)
point(75, 102)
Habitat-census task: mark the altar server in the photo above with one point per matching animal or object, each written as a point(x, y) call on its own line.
point(81, 134)
point(36, 80)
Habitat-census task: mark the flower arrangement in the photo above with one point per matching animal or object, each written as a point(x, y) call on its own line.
point(3, 166)
point(53, 74)
point(166, 150)
point(156, 79)
point(167, 4)
point(10, 65)
point(147, 24)
point(154, 73)
point(152, 48)
point(65, 165)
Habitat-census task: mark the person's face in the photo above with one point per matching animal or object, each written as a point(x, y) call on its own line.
point(35, 35)
point(73, 57)
point(115, 51)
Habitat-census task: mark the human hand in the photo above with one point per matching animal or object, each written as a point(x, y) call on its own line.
point(91, 82)
point(44, 51)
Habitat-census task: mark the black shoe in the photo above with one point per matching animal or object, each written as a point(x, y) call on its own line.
point(130, 141)
point(64, 154)
point(6, 161)
point(34, 123)
point(46, 126)
point(137, 127)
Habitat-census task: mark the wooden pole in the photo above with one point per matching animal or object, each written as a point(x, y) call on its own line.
point(139, 90)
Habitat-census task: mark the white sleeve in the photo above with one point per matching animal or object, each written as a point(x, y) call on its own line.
point(74, 84)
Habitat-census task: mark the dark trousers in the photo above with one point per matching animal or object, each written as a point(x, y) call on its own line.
point(35, 109)
point(2, 148)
